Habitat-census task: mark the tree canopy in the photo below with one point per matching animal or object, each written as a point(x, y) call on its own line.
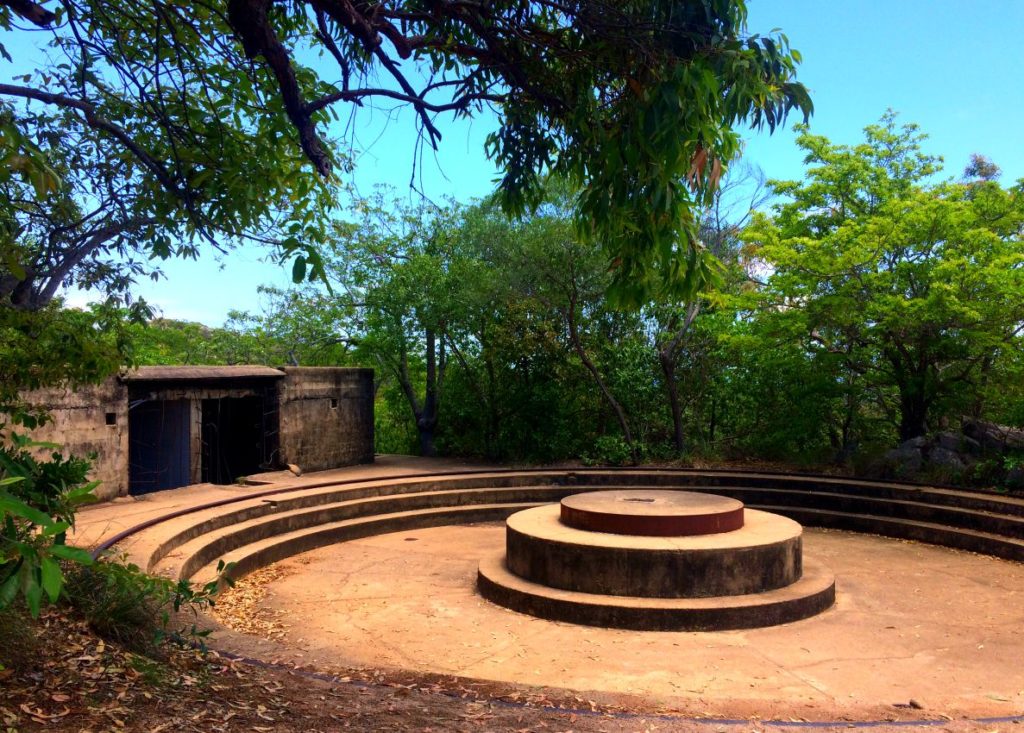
point(914, 288)
point(211, 110)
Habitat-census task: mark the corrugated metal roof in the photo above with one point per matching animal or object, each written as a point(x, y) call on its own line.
point(194, 373)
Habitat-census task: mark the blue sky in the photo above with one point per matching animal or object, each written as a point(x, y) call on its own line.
point(953, 67)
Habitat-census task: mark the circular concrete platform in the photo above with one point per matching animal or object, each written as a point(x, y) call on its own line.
point(911, 621)
point(652, 512)
point(814, 592)
point(764, 555)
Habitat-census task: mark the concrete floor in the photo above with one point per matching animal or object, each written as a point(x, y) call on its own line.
point(912, 622)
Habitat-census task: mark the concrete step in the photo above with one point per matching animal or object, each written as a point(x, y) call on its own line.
point(266, 551)
point(968, 520)
point(186, 559)
point(985, 543)
point(179, 530)
point(812, 594)
point(920, 508)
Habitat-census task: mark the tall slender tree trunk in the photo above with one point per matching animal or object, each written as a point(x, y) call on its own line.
point(667, 356)
point(668, 368)
point(426, 421)
point(620, 414)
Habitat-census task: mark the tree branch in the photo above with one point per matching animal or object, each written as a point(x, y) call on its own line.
point(30, 11)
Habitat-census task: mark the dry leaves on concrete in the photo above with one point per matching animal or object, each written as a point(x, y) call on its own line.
point(243, 607)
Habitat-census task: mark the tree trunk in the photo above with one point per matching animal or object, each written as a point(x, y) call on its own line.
point(668, 367)
point(913, 414)
point(426, 421)
point(620, 414)
point(425, 427)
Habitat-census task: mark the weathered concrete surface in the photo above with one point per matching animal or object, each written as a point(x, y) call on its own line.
point(326, 417)
point(762, 555)
point(99, 522)
point(90, 420)
point(912, 621)
point(656, 513)
point(811, 594)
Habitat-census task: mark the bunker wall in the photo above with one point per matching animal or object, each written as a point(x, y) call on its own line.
point(90, 419)
point(326, 417)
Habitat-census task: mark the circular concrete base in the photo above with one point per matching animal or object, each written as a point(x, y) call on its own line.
point(812, 594)
point(911, 620)
point(652, 512)
point(761, 556)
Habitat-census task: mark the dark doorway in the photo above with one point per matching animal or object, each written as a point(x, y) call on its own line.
point(158, 445)
point(233, 438)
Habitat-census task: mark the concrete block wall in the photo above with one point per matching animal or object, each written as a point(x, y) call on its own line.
point(90, 419)
point(326, 417)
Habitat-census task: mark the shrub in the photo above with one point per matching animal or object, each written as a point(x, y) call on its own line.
point(38, 500)
point(139, 611)
point(610, 450)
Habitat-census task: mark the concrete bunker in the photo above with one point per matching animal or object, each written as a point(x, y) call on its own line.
point(189, 425)
point(162, 427)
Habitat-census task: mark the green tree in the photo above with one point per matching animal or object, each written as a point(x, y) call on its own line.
point(636, 102)
point(915, 288)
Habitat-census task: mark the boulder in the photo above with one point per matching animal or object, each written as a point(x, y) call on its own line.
point(914, 443)
point(993, 437)
point(902, 462)
point(945, 458)
point(950, 441)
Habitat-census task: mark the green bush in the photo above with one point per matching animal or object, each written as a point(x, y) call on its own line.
point(139, 611)
point(610, 450)
point(38, 500)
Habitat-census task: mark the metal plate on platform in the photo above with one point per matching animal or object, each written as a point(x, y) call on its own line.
point(652, 513)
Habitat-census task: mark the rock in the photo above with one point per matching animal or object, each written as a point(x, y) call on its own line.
point(970, 446)
point(993, 437)
point(945, 458)
point(916, 704)
point(950, 441)
point(902, 462)
point(294, 469)
point(919, 442)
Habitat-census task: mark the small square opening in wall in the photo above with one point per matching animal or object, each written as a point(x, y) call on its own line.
point(111, 418)
point(334, 403)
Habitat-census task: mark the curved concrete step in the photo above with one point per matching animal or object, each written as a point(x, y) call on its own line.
point(256, 555)
point(183, 529)
point(210, 521)
point(985, 543)
point(186, 559)
point(919, 510)
point(812, 594)
point(967, 520)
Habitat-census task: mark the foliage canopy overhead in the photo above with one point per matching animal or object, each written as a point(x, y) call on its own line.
point(635, 102)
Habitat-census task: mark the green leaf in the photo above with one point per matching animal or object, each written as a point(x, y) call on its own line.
point(33, 596)
point(52, 577)
point(75, 554)
point(10, 505)
point(9, 589)
point(55, 529)
point(299, 269)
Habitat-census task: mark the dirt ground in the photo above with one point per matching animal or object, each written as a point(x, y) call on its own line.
point(73, 681)
point(918, 632)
